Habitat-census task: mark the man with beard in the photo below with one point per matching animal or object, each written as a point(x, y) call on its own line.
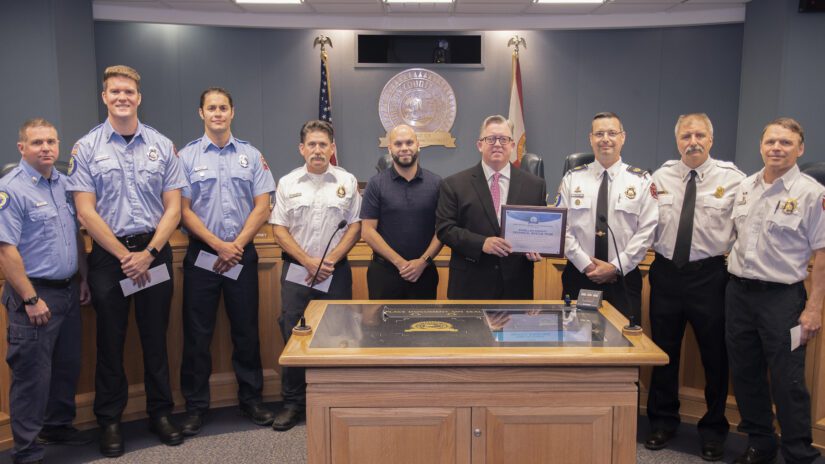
point(311, 203)
point(398, 222)
point(468, 220)
point(688, 279)
point(604, 192)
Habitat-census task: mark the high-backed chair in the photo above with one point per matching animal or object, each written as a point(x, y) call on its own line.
point(383, 163)
point(815, 170)
point(533, 164)
point(7, 168)
point(577, 159)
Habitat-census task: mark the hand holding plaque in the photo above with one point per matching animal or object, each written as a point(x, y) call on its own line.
point(534, 229)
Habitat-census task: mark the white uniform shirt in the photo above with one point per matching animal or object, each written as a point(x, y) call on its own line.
point(778, 226)
point(632, 213)
point(503, 184)
point(311, 206)
point(716, 183)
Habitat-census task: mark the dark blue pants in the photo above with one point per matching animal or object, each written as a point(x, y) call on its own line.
point(201, 291)
point(152, 317)
point(45, 365)
point(294, 300)
point(757, 331)
point(694, 294)
point(384, 283)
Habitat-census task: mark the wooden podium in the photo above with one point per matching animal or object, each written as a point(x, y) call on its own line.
point(488, 404)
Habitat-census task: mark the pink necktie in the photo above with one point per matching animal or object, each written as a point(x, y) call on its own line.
point(495, 191)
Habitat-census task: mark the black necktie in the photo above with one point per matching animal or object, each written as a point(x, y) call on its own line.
point(601, 227)
point(681, 251)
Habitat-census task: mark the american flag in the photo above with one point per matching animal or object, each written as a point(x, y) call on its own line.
point(516, 115)
point(325, 100)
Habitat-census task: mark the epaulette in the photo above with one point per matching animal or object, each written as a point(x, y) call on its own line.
point(241, 141)
point(636, 171)
point(670, 163)
point(728, 165)
point(580, 167)
point(194, 142)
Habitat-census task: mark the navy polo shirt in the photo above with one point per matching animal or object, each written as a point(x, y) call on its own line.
point(405, 210)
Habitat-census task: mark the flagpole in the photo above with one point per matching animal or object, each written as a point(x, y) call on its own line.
point(516, 112)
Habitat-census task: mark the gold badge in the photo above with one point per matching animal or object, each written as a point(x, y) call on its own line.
point(720, 192)
point(578, 202)
point(431, 326)
point(790, 206)
point(600, 233)
point(342, 192)
point(630, 193)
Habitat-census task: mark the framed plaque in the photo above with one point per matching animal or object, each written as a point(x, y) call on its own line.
point(534, 228)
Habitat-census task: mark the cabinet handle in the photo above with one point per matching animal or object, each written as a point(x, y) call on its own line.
point(476, 433)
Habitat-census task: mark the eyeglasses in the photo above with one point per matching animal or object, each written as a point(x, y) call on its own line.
point(492, 139)
point(610, 134)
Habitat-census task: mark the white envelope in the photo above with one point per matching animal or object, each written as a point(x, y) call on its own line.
point(298, 274)
point(796, 337)
point(157, 275)
point(207, 260)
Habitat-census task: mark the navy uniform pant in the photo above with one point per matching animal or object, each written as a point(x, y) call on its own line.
point(201, 291)
point(628, 303)
point(385, 283)
point(694, 294)
point(152, 317)
point(45, 366)
point(759, 317)
point(294, 300)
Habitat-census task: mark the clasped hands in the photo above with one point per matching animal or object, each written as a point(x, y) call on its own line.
point(600, 272)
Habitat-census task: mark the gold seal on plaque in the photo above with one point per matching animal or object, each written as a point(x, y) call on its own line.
point(423, 100)
point(431, 326)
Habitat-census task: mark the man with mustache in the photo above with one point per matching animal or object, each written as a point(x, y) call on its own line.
point(604, 192)
point(225, 204)
point(468, 220)
point(398, 222)
point(688, 279)
point(126, 180)
point(311, 202)
point(779, 215)
point(41, 253)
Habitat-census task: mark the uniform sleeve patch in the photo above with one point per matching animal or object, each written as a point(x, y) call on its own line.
point(72, 165)
point(557, 199)
point(653, 192)
point(75, 149)
point(823, 202)
point(4, 200)
point(263, 163)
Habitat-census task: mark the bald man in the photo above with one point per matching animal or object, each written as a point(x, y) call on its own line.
point(398, 222)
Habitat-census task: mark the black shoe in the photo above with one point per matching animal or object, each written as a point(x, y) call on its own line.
point(259, 414)
point(166, 430)
point(286, 419)
point(111, 440)
point(658, 439)
point(191, 424)
point(63, 435)
point(754, 456)
point(713, 450)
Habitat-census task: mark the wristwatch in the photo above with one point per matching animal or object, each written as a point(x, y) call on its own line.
point(429, 259)
point(31, 301)
point(152, 251)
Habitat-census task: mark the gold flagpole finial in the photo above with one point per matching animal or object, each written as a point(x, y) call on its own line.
point(516, 41)
point(323, 41)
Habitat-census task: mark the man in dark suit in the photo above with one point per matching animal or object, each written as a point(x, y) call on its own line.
point(468, 220)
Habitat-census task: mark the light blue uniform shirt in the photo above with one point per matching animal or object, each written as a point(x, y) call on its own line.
point(36, 217)
point(224, 182)
point(128, 179)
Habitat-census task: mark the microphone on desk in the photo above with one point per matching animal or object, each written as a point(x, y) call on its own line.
point(302, 328)
point(632, 328)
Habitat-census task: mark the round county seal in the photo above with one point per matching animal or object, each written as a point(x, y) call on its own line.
point(419, 98)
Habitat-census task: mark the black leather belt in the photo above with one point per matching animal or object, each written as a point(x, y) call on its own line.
point(713, 261)
point(754, 284)
point(60, 283)
point(136, 241)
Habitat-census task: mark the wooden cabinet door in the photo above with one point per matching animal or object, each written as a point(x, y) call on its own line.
point(399, 435)
point(540, 435)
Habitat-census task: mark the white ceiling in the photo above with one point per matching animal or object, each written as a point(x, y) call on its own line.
point(461, 14)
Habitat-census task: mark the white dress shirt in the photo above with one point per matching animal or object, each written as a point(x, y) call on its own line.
point(778, 226)
point(310, 206)
point(716, 183)
point(632, 213)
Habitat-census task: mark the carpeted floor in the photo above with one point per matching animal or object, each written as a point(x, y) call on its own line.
point(228, 437)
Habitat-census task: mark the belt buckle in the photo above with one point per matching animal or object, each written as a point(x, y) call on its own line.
point(128, 242)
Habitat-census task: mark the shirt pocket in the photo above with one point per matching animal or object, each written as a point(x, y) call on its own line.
point(242, 180)
point(202, 184)
point(717, 211)
point(784, 234)
point(151, 175)
point(107, 174)
point(44, 221)
point(298, 207)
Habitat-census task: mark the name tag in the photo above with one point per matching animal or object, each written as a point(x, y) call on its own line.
point(101, 157)
point(40, 204)
point(295, 195)
point(200, 168)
